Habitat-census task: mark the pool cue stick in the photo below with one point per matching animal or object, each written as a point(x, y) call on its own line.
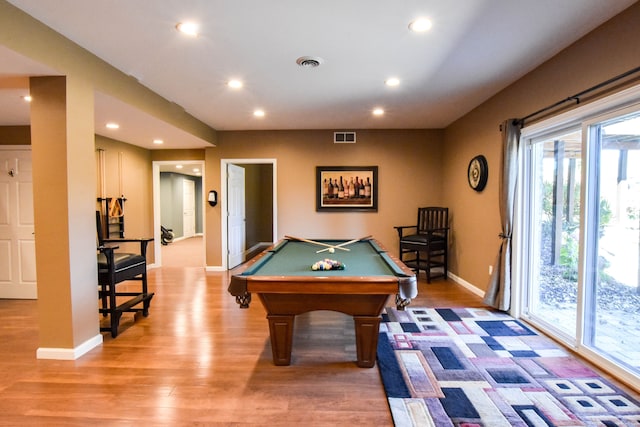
point(314, 242)
point(340, 246)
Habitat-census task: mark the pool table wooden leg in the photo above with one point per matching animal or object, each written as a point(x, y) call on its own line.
point(401, 303)
point(367, 328)
point(281, 332)
point(244, 300)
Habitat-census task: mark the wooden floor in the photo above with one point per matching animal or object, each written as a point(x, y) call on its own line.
point(184, 253)
point(198, 360)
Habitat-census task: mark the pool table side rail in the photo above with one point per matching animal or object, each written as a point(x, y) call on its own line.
point(238, 285)
point(403, 282)
point(322, 285)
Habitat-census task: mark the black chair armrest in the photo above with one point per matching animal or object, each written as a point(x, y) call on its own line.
point(108, 252)
point(144, 241)
point(400, 229)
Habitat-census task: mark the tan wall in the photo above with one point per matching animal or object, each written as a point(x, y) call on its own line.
point(15, 135)
point(409, 166)
point(177, 155)
point(608, 51)
point(134, 181)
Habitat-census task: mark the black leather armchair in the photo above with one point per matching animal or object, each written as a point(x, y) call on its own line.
point(425, 246)
point(116, 267)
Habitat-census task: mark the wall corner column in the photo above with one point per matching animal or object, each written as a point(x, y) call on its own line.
point(64, 176)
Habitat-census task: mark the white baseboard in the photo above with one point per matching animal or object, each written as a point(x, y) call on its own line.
point(69, 353)
point(251, 249)
point(263, 245)
point(214, 268)
point(466, 285)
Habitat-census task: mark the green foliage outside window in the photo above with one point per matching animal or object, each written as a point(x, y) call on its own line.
point(569, 250)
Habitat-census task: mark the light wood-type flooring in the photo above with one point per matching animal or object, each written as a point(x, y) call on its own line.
point(198, 360)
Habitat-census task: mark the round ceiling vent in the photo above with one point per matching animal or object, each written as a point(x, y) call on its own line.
point(309, 61)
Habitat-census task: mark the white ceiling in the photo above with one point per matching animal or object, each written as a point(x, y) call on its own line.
point(475, 49)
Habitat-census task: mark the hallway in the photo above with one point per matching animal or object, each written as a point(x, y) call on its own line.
point(184, 253)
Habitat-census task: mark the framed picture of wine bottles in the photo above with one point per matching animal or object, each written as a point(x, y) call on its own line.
point(347, 188)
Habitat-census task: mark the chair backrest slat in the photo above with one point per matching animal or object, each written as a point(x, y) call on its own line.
point(99, 228)
point(431, 218)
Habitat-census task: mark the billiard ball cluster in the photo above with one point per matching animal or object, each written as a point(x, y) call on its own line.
point(328, 264)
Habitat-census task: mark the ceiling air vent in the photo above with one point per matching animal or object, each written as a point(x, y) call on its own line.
point(344, 137)
point(309, 61)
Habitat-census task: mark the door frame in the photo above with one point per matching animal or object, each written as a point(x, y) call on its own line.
point(224, 244)
point(580, 116)
point(157, 235)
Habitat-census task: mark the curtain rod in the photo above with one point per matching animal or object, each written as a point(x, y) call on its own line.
point(577, 96)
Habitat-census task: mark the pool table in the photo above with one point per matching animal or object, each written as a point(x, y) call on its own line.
point(283, 278)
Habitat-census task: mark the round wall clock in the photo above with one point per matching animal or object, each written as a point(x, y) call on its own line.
point(478, 172)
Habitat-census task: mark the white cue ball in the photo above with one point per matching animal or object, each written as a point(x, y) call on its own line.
point(331, 250)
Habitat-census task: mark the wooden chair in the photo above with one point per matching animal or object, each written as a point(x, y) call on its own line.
point(114, 268)
point(427, 247)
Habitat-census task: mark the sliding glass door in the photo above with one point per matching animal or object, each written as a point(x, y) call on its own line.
point(554, 209)
point(612, 274)
point(580, 234)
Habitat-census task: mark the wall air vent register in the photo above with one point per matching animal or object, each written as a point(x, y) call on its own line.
point(344, 137)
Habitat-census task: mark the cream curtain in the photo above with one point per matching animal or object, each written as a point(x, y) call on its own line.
point(498, 293)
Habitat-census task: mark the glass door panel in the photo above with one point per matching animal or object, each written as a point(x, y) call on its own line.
point(554, 218)
point(612, 296)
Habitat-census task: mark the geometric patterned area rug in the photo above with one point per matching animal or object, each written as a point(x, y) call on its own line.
point(477, 367)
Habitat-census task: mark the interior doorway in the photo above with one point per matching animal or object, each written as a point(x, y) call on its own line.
point(169, 179)
point(260, 206)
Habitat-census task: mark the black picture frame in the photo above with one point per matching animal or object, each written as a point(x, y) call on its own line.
point(360, 197)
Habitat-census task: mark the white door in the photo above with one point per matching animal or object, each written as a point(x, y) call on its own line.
point(17, 241)
point(188, 208)
point(236, 215)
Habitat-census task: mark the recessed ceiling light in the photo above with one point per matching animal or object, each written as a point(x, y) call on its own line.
point(196, 169)
point(158, 141)
point(188, 28)
point(27, 98)
point(178, 166)
point(378, 111)
point(420, 25)
point(258, 113)
point(234, 84)
point(392, 81)
point(112, 125)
